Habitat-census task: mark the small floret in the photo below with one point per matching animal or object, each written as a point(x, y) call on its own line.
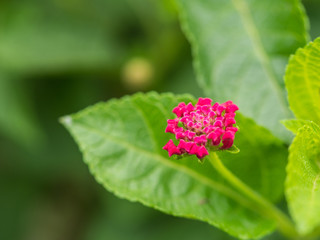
point(202, 127)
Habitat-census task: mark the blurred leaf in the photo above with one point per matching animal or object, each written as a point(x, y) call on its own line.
point(122, 220)
point(183, 81)
point(295, 124)
point(303, 179)
point(15, 201)
point(241, 48)
point(303, 82)
point(39, 36)
point(122, 143)
point(312, 9)
point(17, 119)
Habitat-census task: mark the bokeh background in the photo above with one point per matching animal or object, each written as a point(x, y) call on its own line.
point(56, 58)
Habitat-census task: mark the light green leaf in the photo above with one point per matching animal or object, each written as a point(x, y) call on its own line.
point(122, 143)
point(303, 82)
point(303, 179)
point(234, 149)
point(295, 124)
point(241, 48)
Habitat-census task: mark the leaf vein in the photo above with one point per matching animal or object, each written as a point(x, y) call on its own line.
point(244, 12)
point(193, 174)
point(147, 124)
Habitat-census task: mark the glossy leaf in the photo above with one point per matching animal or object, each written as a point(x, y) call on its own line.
point(303, 179)
point(241, 48)
point(122, 143)
point(303, 82)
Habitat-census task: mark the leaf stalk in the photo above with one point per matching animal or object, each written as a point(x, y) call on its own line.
point(260, 204)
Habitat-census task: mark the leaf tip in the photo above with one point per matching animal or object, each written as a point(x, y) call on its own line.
point(234, 149)
point(66, 120)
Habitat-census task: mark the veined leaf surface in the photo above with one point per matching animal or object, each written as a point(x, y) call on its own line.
point(241, 48)
point(303, 178)
point(303, 82)
point(122, 142)
point(295, 124)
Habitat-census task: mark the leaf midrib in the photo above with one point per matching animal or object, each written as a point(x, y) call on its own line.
point(243, 9)
point(193, 174)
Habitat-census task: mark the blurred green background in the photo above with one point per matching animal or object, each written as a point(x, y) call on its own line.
point(56, 58)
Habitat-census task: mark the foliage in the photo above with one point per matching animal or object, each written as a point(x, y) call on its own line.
point(122, 140)
point(240, 55)
point(303, 82)
point(122, 143)
point(302, 184)
point(60, 56)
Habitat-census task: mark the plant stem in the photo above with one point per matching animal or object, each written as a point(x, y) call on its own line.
point(264, 207)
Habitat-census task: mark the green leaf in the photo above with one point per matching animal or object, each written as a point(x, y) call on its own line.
point(234, 149)
point(295, 124)
point(262, 155)
point(122, 143)
point(241, 48)
point(303, 82)
point(303, 179)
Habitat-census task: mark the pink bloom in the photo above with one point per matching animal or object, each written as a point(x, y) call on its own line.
point(170, 128)
point(218, 123)
point(232, 129)
point(227, 139)
point(180, 135)
point(202, 127)
point(171, 148)
point(229, 122)
point(230, 115)
point(220, 109)
point(202, 152)
point(204, 101)
point(230, 107)
point(190, 135)
point(200, 140)
point(185, 146)
point(215, 136)
point(194, 149)
point(215, 106)
point(190, 107)
point(173, 121)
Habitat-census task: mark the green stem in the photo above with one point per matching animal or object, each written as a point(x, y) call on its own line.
point(263, 206)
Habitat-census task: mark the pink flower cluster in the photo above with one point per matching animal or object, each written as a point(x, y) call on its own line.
point(201, 127)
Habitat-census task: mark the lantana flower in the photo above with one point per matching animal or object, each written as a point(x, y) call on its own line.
point(202, 127)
